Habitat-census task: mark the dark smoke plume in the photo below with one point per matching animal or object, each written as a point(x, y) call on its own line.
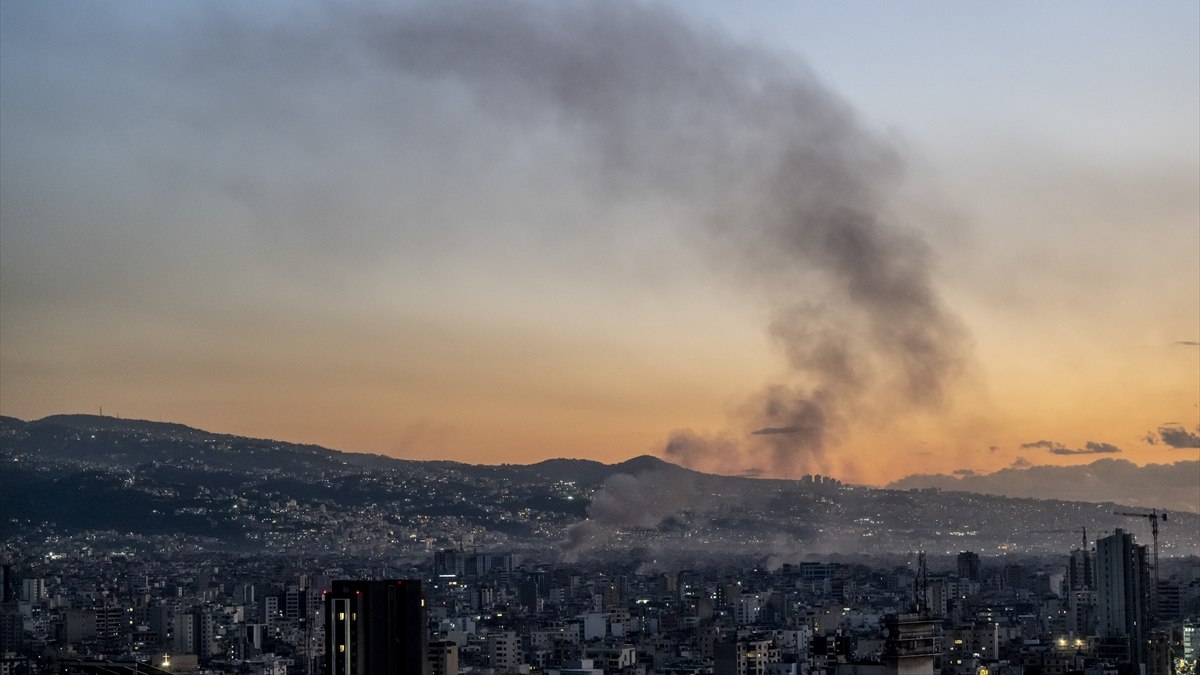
point(770, 170)
point(790, 192)
point(790, 188)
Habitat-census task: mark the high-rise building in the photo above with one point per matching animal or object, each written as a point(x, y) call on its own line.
point(1081, 612)
point(12, 629)
point(194, 632)
point(1081, 571)
point(206, 633)
point(1122, 592)
point(1080, 591)
point(1191, 641)
point(1170, 600)
point(159, 618)
point(448, 563)
point(271, 612)
point(8, 584)
point(968, 565)
point(185, 633)
point(375, 627)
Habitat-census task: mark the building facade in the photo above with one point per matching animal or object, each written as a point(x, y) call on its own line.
point(375, 627)
point(1122, 592)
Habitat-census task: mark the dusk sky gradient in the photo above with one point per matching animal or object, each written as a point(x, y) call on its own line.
point(505, 232)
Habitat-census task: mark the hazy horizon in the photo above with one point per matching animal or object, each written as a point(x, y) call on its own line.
point(1101, 480)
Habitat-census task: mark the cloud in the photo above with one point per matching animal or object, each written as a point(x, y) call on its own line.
point(1188, 343)
point(964, 472)
point(1021, 463)
point(1178, 437)
point(1090, 448)
point(767, 431)
point(1170, 486)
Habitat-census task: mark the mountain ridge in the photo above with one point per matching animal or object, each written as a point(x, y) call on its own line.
point(557, 465)
point(83, 473)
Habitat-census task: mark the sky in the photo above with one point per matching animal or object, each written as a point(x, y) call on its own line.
point(860, 239)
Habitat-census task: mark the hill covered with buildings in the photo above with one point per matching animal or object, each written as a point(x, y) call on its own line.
point(168, 485)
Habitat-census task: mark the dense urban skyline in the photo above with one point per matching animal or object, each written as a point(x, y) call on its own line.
point(508, 232)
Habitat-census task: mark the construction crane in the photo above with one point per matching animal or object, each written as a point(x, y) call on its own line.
point(1082, 530)
point(1154, 517)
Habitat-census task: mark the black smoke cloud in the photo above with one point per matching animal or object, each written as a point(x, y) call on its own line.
point(758, 163)
point(1089, 448)
point(790, 189)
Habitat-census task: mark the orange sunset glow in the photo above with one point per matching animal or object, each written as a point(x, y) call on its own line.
point(743, 246)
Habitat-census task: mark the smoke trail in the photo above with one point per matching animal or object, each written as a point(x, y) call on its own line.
point(790, 189)
point(780, 181)
point(769, 170)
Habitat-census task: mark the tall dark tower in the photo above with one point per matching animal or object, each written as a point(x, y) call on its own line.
point(1081, 571)
point(968, 565)
point(1122, 592)
point(375, 627)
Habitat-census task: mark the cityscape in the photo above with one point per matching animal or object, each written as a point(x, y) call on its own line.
point(595, 337)
point(246, 579)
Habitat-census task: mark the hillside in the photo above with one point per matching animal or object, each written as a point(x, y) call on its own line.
point(70, 474)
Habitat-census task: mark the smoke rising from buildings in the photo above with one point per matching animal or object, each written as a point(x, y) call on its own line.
point(751, 158)
point(789, 189)
point(624, 501)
